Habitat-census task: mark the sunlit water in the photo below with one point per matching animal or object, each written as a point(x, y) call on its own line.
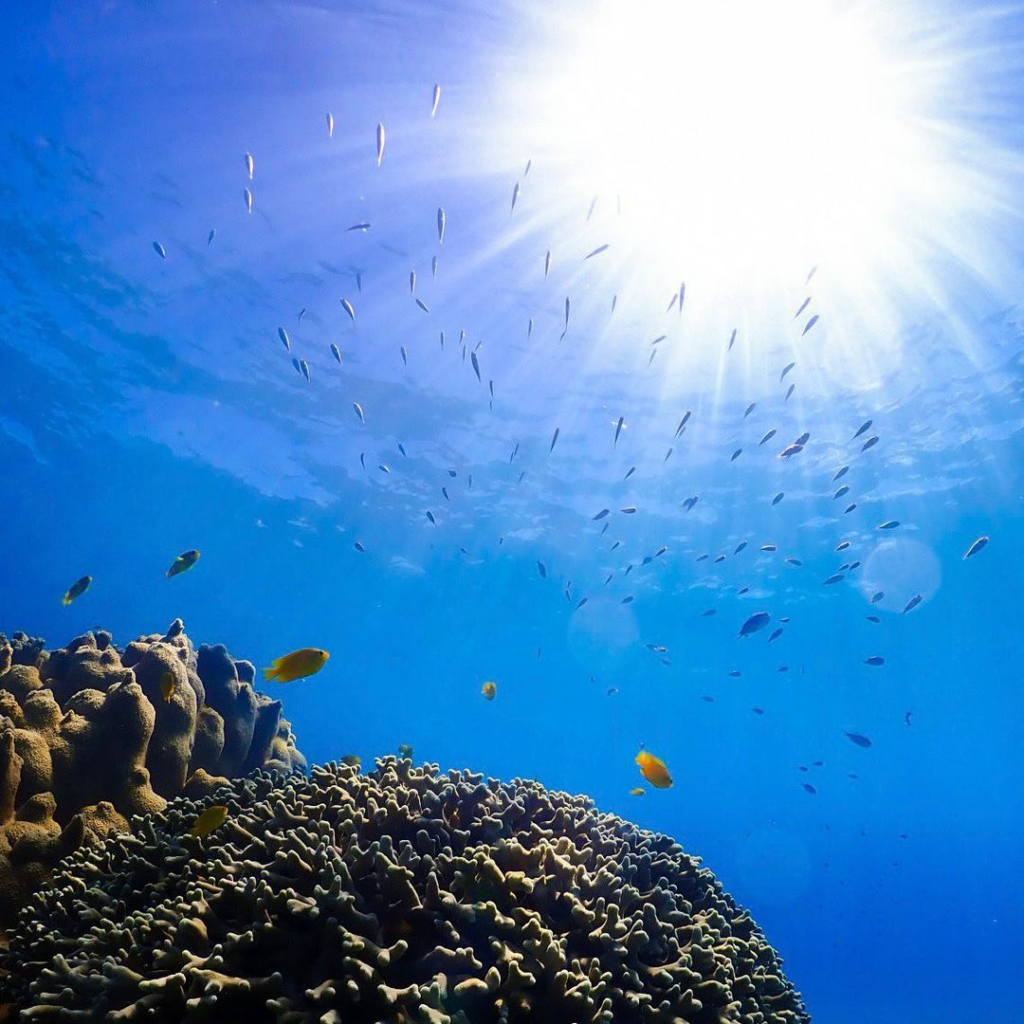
point(148, 406)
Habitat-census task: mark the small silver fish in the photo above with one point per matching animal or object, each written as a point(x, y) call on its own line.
point(348, 307)
point(359, 411)
point(435, 100)
point(423, 305)
point(160, 250)
point(285, 340)
point(785, 370)
point(336, 352)
point(980, 543)
point(441, 221)
point(596, 252)
point(381, 137)
point(330, 125)
point(249, 165)
point(247, 195)
point(515, 197)
point(547, 262)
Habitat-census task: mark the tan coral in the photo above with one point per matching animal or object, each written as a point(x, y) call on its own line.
point(404, 895)
point(87, 741)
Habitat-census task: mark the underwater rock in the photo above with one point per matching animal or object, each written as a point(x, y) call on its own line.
point(404, 895)
point(87, 741)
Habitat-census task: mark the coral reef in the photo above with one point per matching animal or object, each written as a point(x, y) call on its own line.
point(404, 895)
point(88, 740)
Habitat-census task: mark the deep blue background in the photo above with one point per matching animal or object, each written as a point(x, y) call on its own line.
point(147, 407)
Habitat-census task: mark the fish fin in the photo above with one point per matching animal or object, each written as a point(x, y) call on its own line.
point(270, 674)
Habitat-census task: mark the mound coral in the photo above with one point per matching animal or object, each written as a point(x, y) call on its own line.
point(87, 740)
point(404, 895)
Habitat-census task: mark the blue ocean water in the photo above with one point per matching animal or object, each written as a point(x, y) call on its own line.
point(148, 406)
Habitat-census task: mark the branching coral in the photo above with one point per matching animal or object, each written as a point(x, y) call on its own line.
point(87, 740)
point(404, 895)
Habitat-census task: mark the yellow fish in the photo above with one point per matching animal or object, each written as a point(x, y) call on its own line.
point(167, 686)
point(77, 589)
point(636, 792)
point(489, 689)
point(183, 562)
point(653, 770)
point(306, 661)
point(213, 817)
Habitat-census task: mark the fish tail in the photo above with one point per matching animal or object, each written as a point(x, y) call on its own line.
point(270, 673)
point(65, 600)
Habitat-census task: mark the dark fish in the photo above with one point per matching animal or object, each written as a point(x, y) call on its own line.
point(618, 430)
point(794, 561)
point(743, 590)
point(754, 623)
point(849, 508)
point(810, 324)
point(77, 589)
point(590, 212)
point(627, 600)
point(790, 450)
point(476, 364)
point(430, 516)
point(611, 690)
point(582, 602)
point(913, 603)
point(842, 545)
point(789, 392)
point(739, 547)
point(629, 472)
point(841, 473)
point(889, 524)
point(362, 226)
point(856, 737)
point(778, 497)
point(600, 515)
point(554, 439)
point(660, 552)
point(210, 237)
point(976, 547)
point(304, 367)
point(719, 558)
point(707, 614)
point(609, 579)
point(423, 306)
point(877, 596)
point(702, 558)
point(873, 618)
point(750, 408)
point(767, 437)
point(769, 547)
point(596, 252)
point(906, 717)
point(785, 370)
point(542, 569)
point(758, 711)
point(682, 423)
point(732, 340)
point(160, 250)
point(358, 546)
point(736, 454)
point(615, 545)
point(336, 352)
point(735, 673)
point(803, 306)
point(875, 661)
point(444, 491)
point(707, 699)
point(690, 502)
point(869, 443)
point(668, 455)
point(840, 492)
point(862, 429)
point(854, 565)
point(837, 577)
point(629, 510)
point(776, 633)
point(604, 529)
point(810, 789)
point(515, 196)
point(811, 274)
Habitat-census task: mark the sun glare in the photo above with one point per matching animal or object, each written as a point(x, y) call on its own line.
point(740, 140)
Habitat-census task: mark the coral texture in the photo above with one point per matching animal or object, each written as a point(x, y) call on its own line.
point(87, 740)
point(404, 895)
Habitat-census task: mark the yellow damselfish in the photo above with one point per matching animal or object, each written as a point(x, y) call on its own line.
point(167, 686)
point(301, 663)
point(653, 770)
point(489, 689)
point(213, 817)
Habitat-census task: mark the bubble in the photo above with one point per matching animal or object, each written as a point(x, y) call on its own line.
point(601, 632)
point(900, 568)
